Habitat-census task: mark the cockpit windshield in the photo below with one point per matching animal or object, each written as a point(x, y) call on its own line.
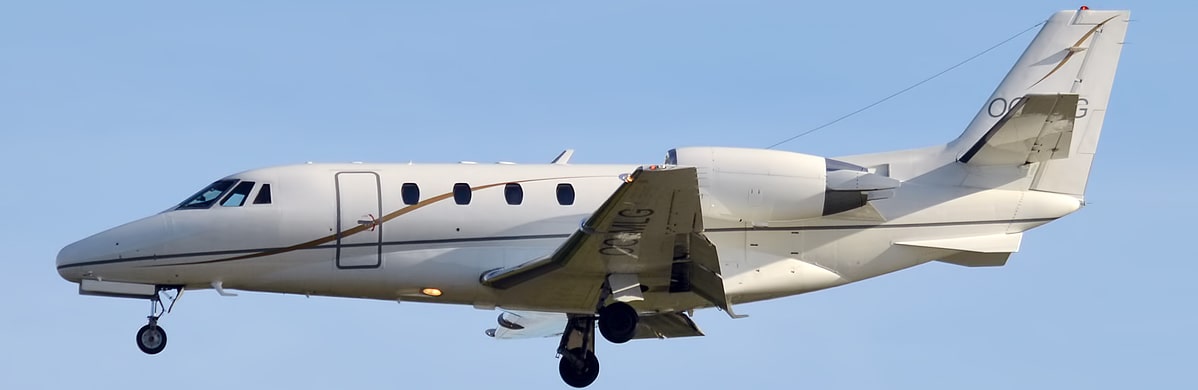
point(207, 196)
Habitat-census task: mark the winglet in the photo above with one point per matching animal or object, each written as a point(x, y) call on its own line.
point(564, 157)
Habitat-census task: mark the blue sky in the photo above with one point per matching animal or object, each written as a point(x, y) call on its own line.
point(110, 111)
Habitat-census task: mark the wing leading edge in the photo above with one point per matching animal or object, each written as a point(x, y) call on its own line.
point(647, 236)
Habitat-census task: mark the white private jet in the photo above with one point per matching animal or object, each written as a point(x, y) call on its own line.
point(709, 227)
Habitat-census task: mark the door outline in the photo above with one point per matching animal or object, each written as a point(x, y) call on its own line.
point(375, 213)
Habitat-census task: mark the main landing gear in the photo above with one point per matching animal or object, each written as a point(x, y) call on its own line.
point(151, 339)
point(578, 365)
point(617, 322)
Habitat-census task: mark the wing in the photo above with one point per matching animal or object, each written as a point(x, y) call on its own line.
point(1037, 128)
point(648, 233)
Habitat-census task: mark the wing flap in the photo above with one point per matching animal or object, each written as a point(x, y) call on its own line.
point(705, 277)
point(666, 326)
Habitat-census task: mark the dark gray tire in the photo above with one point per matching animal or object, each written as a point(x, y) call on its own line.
point(151, 339)
point(575, 376)
point(617, 322)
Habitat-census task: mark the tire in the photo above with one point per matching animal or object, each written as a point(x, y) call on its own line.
point(575, 377)
point(617, 322)
point(151, 339)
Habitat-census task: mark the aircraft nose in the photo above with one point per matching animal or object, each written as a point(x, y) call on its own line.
point(129, 240)
point(87, 250)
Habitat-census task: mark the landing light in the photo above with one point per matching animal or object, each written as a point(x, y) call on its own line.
point(432, 292)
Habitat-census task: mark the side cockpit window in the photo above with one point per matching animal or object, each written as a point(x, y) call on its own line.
point(207, 196)
point(263, 196)
point(237, 197)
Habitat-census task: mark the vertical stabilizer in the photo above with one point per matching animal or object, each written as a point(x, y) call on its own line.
point(1076, 52)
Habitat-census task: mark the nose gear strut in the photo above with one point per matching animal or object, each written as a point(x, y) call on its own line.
point(151, 339)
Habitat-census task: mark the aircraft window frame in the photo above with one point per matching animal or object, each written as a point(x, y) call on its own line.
point(263, 196)
point(513, 193)
point(410, 193)
point(462, 193)
point(238, 195)
point(565, 194)
point(200, 200)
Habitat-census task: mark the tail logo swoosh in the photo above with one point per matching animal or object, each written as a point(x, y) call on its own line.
point(1073, 51)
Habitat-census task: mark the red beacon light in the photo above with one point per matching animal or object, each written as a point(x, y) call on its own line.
point(1083, 8)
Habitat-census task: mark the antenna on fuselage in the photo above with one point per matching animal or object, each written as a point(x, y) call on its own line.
point(564, 157)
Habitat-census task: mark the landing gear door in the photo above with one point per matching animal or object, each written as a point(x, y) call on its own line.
point(359, 205)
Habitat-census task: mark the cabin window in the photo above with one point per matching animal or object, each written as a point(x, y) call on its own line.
point(411, 193)
point(237, 197)
point(263, 196)
point(513, 193)
point(461, 193)
point(207, 196)
point(565, 194)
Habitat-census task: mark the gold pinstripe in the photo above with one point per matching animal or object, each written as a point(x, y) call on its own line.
point(1071, 53)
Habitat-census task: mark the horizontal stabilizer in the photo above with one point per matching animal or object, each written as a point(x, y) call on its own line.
point(1037, 128)
point(976, 251)
point(975, 259)
point(995, 243)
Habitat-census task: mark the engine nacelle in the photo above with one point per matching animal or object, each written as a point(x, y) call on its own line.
point(761, 185)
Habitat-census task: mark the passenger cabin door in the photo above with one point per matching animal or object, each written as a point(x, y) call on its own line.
point(359, 206)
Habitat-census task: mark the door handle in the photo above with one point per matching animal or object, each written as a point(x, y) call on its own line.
point(368, 220)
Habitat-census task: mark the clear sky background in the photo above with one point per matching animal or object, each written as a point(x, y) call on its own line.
point(110, 111)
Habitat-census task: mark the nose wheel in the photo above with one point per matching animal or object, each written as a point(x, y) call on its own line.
point(151, 338)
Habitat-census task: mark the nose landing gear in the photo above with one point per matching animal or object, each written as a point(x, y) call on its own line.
point(151, 338)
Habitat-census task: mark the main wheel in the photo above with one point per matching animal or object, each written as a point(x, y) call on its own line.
point(151, 339)
point(617, 322)
point(574, 375)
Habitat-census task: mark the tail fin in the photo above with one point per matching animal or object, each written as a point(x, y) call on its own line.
point(1075, 53)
